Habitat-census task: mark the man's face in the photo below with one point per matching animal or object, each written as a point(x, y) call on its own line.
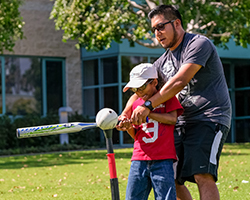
point(167, 37)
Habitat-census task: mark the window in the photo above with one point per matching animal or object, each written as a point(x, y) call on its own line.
point(22, 85)
point(31, 85)
point(100, 85)
point(128, 62)
point(54, 85)
point(90, 71)
point(110, 70)
point(227, 73)
point(90, 102)
point(240, 71)
point(153, 59)
point(242, 98)
point(242, 130)
point(236, 73)
point(1, 87)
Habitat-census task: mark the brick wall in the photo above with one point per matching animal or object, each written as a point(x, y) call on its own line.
point(41, 39)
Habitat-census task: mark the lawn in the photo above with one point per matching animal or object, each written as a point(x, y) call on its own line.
point(85, 175)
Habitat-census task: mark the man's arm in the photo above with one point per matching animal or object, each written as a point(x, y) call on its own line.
point(170, 89)
point(175, 84)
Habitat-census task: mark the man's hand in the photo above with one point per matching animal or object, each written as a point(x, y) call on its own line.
point(139, 115)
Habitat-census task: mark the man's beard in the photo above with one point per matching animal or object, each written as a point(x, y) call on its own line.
point(173, 42)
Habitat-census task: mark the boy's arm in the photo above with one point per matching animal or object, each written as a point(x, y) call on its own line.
point(127, 111)
point(131, 132)
point(164, 118)
point(126, 125)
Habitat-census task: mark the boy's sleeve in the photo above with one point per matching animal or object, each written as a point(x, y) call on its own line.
point(174, 104)
point(136, 103)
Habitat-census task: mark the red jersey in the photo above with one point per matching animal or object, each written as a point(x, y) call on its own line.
point(154, 140)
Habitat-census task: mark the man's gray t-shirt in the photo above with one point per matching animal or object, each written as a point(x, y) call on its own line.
point(205, 97)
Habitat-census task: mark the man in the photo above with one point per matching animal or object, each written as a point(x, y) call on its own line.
point(193, 71)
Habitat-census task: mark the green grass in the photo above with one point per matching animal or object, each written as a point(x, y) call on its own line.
point(85, 175)
point(233, 174)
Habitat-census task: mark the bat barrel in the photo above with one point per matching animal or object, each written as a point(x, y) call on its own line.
point(53, 129)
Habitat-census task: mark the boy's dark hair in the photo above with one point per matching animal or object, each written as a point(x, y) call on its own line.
point(170, 12)
point(160, 79)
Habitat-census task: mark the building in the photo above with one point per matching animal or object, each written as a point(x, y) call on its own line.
point(43, 74)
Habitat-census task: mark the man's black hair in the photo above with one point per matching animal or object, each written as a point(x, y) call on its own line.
point(170, 12)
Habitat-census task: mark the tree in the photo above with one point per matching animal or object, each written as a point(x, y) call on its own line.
point(10, 24)
point(96, 23)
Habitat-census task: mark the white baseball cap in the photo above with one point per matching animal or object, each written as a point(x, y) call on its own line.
point(140, 74)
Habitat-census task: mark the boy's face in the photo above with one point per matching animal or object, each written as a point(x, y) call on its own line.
point(149, 91)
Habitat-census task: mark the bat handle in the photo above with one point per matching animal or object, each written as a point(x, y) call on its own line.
point(109, 145)
point(112, 170)
point(115, 189)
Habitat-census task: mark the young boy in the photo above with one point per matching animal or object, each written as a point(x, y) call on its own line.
point(154, 151)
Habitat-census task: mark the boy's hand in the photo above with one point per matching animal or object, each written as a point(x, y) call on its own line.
point(124, 125)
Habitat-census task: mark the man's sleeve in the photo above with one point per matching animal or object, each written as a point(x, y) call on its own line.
point(198, 51)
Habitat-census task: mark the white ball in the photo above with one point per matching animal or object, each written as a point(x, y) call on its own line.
point(106, 119)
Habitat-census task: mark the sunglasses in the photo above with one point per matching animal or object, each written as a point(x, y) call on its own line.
point(143, 87)
point(160, 26)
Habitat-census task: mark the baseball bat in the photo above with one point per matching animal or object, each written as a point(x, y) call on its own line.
point(53, 129)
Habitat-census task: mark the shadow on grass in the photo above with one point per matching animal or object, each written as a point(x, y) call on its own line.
point(237, 146)
point(239, 149)
point(57, 159)
point(234, 154)
point(88, 157)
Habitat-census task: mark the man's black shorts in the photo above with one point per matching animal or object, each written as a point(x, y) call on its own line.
point(198, 147)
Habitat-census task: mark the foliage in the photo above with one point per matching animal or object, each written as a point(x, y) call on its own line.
point(10, 24)
point(85, 175)
point(9, 144)
point(96, 23)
